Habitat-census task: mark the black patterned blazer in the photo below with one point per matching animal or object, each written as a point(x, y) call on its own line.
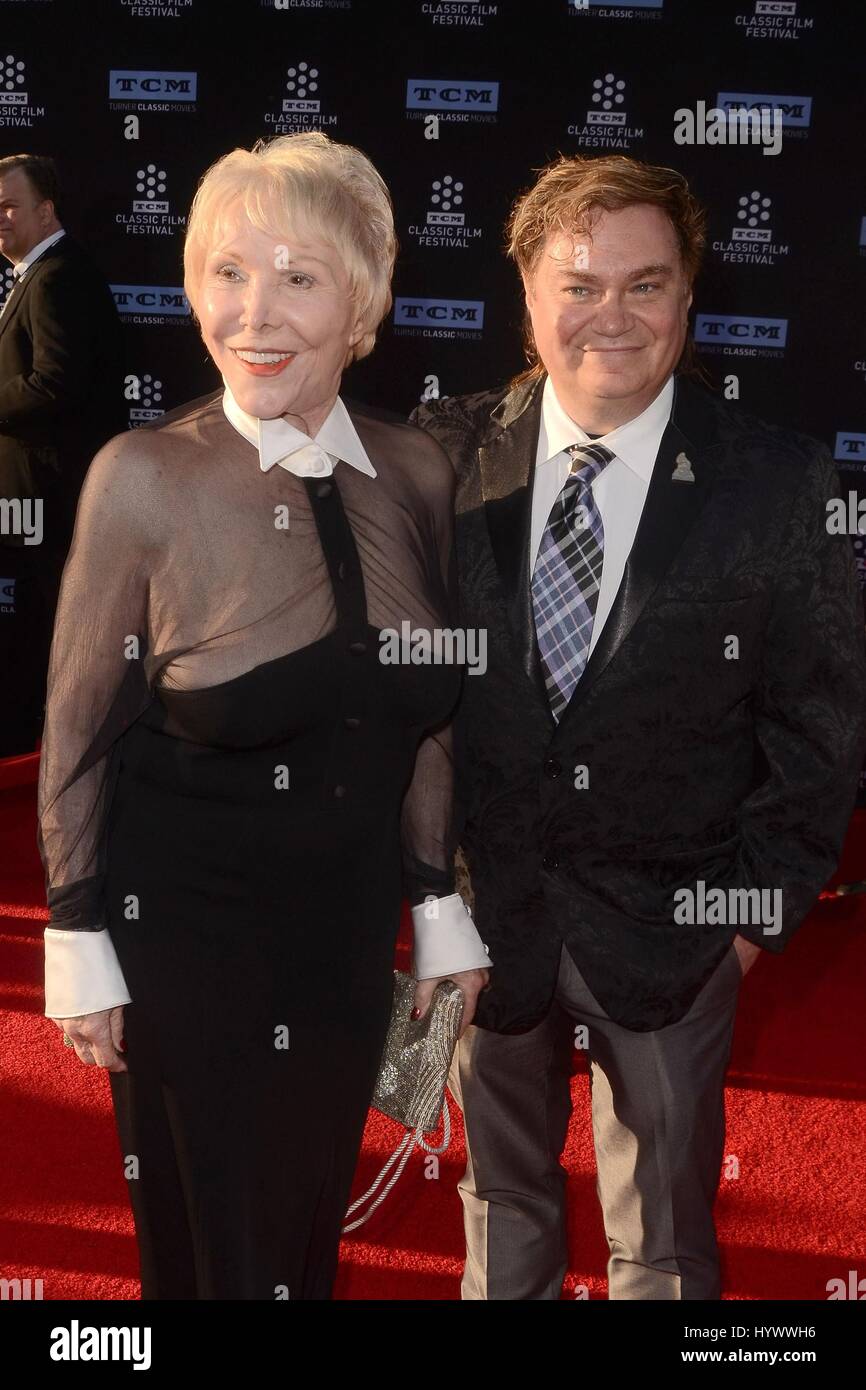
point(735, 772)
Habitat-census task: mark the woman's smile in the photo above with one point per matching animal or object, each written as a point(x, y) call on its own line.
point(261, 363)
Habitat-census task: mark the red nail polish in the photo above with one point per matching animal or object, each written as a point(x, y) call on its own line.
point(416, 1013)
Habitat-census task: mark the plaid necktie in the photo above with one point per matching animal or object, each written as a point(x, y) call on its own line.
point(567, 576)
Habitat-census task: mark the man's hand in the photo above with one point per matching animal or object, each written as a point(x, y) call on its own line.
point(470, 981)
point(97, 1037)
point(747, 952)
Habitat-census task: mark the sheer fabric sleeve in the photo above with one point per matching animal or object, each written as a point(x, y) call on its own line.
point(96, 688)
point(445, 937)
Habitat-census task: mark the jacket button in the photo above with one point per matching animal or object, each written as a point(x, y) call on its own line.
point(357, 648)
point(339, 791)
point(341, 569)
point(324, 489)
point(550, 862)
point(552, 767)
point(351, 721)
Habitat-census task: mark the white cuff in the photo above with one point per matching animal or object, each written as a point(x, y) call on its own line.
point(445, 938)
point(82, 973)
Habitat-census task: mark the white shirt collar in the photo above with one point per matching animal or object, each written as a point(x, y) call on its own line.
point(636, 442)
point(279, 442)
point(36, 251)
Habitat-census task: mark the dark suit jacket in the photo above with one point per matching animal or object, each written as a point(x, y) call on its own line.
point(741, 772)
point(61, 383)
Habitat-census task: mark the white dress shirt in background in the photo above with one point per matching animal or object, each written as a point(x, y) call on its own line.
point(20, 267)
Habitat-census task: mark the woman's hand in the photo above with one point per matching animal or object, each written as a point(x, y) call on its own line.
point(97, 1037)
point(472, 982)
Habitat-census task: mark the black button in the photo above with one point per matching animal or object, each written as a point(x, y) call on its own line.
point(552, 767)
point(357, 648)
point(339, 791)
point(341, 569)
point(550, 862)
point(324, 489)
point(351, 722)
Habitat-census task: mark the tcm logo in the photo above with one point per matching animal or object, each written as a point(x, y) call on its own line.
point(301, 86)
point(460, 313)
point(794, 112)
point(753, 214)
point(150, 186)
point(150, 299)
point(608, 93)
point(124, 84)
point(145, 393)
point(12, 81)
point(850, 448)
point(733, 328)
point(446, 197)
point(432, 94)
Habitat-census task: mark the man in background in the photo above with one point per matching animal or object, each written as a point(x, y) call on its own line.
point(61, 398)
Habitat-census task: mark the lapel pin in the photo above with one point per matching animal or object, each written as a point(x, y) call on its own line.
point(683, 471)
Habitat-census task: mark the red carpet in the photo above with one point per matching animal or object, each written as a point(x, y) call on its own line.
point(796, 1101)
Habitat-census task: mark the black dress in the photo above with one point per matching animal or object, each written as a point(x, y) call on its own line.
point(252, 838)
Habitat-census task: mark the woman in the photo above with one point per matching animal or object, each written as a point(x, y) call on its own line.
point(235, 790)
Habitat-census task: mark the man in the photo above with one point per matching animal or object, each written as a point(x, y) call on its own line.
point(61, 398)
point(674, 704)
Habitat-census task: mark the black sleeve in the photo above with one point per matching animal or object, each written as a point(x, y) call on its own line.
point(428, 819)
point(810, 712)
point(95, 684)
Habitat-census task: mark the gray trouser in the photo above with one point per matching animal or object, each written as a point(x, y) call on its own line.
point(658, 1126)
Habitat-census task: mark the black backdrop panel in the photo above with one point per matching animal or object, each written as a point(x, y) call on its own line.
point(779, 306)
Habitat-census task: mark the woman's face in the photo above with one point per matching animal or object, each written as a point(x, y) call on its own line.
point(277, 320)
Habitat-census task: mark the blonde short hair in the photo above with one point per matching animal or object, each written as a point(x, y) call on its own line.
point(304, 183)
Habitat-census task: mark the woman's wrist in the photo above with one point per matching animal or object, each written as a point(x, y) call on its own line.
point(82, 973)
point(446, 938)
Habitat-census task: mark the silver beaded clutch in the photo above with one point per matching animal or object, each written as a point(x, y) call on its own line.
point(413, 1073)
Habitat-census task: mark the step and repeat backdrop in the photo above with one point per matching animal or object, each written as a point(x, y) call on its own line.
point(458, 103)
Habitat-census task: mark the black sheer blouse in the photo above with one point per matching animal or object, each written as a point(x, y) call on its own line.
point(180, 577)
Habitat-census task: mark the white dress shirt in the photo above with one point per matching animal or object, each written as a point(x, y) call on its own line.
point(22, 266)
point(619, 490)
point(82, 972)
point(278, 441)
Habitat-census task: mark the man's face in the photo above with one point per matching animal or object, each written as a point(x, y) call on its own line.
point(23, 218)
point(282, 297)
point(610, 314)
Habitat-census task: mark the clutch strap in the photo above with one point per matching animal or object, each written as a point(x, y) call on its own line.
point(405, 1148)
